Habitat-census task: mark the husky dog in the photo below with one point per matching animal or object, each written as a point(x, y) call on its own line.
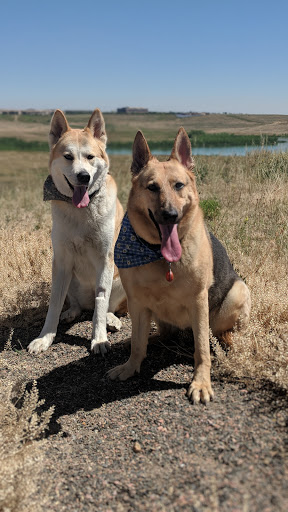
point(86, 218)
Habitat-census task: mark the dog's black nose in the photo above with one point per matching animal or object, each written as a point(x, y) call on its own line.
point(83, 177)
point(170, 215)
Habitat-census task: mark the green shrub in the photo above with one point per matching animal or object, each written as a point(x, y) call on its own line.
point(211, 208)
point(15, 144)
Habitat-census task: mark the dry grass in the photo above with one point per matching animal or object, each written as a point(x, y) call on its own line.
point(253, 226)
point(252, 223)
point(33, 131)
point(25, 224)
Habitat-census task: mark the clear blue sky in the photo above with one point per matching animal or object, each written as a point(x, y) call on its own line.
point(204, 55)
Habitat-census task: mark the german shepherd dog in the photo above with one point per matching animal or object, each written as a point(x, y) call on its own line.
point(166, 223)
point(86, 221)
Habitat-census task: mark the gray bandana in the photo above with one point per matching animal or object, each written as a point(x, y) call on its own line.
point(50, 192)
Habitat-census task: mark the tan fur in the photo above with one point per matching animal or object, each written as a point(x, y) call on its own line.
point(184, 301)
point(235, 310)
point(83, 237)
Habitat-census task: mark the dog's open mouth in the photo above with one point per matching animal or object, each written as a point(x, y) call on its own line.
point(171, 248)
point(80, 197)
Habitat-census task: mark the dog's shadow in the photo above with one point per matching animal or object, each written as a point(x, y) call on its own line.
point(17, 331)
point(83, 384)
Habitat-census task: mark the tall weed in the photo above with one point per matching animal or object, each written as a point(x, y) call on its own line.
point(20, 454)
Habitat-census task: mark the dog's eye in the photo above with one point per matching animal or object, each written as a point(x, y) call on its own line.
point(90, 157)
point(68, 157)
point(153, 187)
point(179, 185)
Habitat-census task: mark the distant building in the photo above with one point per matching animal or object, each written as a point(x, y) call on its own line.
point(132, 110)
point(34, 112)
point(10, 112)
point(28, 112)
point(191, 114)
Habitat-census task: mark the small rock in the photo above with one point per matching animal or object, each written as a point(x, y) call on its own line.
point(137, 447)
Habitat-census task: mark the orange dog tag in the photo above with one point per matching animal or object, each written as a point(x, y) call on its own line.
point(169, 274)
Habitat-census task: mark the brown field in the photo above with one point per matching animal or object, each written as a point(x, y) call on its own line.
point(252, 223)
point(252, 193)
point(158, 127)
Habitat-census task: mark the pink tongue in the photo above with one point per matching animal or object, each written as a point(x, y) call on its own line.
point(80, 197)
point(170, 247)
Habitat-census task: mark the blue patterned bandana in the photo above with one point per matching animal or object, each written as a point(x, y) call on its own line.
point(131, 250)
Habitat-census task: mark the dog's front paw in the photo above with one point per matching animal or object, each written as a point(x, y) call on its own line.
point(41, 344)
point(123, 371)
point(200, 391)
point(100, 347)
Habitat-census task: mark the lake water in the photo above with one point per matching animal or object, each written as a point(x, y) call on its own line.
point(223, 151)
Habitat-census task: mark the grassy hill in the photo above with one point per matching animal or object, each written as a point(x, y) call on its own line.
point(121, 128)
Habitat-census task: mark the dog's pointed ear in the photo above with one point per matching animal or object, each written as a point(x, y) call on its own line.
point(58, 126)
point(182, 150)
point(141, 153)
point(96, 124)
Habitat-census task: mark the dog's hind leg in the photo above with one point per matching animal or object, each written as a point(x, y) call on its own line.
point(71, 313)
point(117, 304)
point(234, 312)
point(117, 296)
point(74, 309)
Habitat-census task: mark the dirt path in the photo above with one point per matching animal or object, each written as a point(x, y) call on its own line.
point(140, 445)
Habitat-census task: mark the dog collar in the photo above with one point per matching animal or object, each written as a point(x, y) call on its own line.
point(51, 193)
point(131, 250)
